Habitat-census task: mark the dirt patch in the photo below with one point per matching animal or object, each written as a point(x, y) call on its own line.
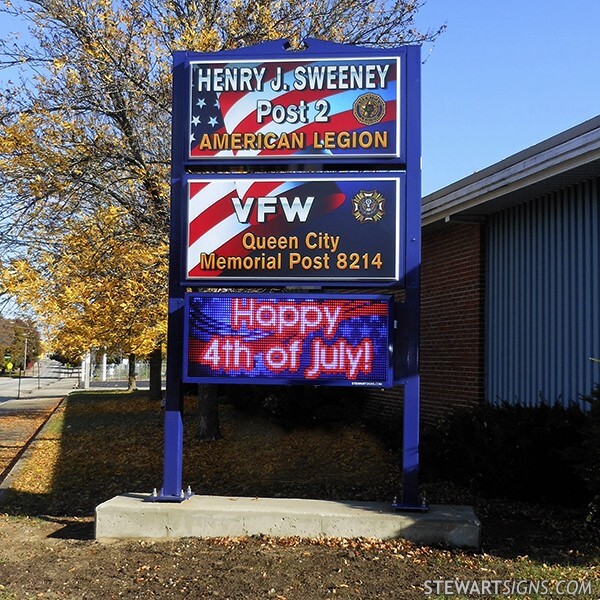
point(35, 562)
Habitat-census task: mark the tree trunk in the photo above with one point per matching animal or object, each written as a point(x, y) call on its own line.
point(131, 383)
point(209, 428)
point(155, 378)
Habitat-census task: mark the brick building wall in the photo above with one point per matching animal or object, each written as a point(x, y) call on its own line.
point(452, 318)
point(452, 327)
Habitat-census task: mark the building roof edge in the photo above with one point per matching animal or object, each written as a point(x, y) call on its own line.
point(563, 152)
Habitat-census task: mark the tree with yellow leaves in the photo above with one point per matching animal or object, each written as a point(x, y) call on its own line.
point(85, 137)
point(103, 289)
point(89, 124)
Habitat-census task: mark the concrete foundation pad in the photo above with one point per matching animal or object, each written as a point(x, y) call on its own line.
point(130, 516)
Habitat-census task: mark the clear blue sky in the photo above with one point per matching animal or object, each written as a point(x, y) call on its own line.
point(505, 75)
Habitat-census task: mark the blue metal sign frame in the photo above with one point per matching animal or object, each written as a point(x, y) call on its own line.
point(405, 157)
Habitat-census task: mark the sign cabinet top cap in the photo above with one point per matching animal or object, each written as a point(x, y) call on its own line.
point(308, 47)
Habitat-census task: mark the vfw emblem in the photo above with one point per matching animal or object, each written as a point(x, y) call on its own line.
point(368, 206)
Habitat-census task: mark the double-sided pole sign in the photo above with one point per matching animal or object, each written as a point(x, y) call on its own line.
point(294, 171)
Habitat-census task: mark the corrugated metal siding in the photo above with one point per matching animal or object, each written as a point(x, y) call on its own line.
point(543, 298)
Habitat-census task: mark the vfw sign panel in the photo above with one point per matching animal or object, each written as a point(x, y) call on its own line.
point(321, 108)
point(305, 229)
point(288, 338)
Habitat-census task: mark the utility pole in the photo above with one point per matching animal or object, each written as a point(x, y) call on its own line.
point(24, 367)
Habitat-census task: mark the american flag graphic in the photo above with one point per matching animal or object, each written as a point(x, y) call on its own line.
point(214, 227)
point(226, 112)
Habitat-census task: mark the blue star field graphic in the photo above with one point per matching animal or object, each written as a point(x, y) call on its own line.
point(206, 113)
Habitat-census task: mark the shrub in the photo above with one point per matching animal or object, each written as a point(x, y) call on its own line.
point(588, 458)
point(515, 452)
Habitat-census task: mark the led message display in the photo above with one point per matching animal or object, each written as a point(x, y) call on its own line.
point(323, 108)
point(319, 229)
point(288, 338)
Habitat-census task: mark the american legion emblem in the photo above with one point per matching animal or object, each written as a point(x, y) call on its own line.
point(368, 206)
point(369, 109)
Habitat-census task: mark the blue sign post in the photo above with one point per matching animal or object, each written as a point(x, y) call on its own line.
point(295, 170)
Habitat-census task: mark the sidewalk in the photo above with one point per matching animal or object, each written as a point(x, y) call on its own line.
point(21, 419)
